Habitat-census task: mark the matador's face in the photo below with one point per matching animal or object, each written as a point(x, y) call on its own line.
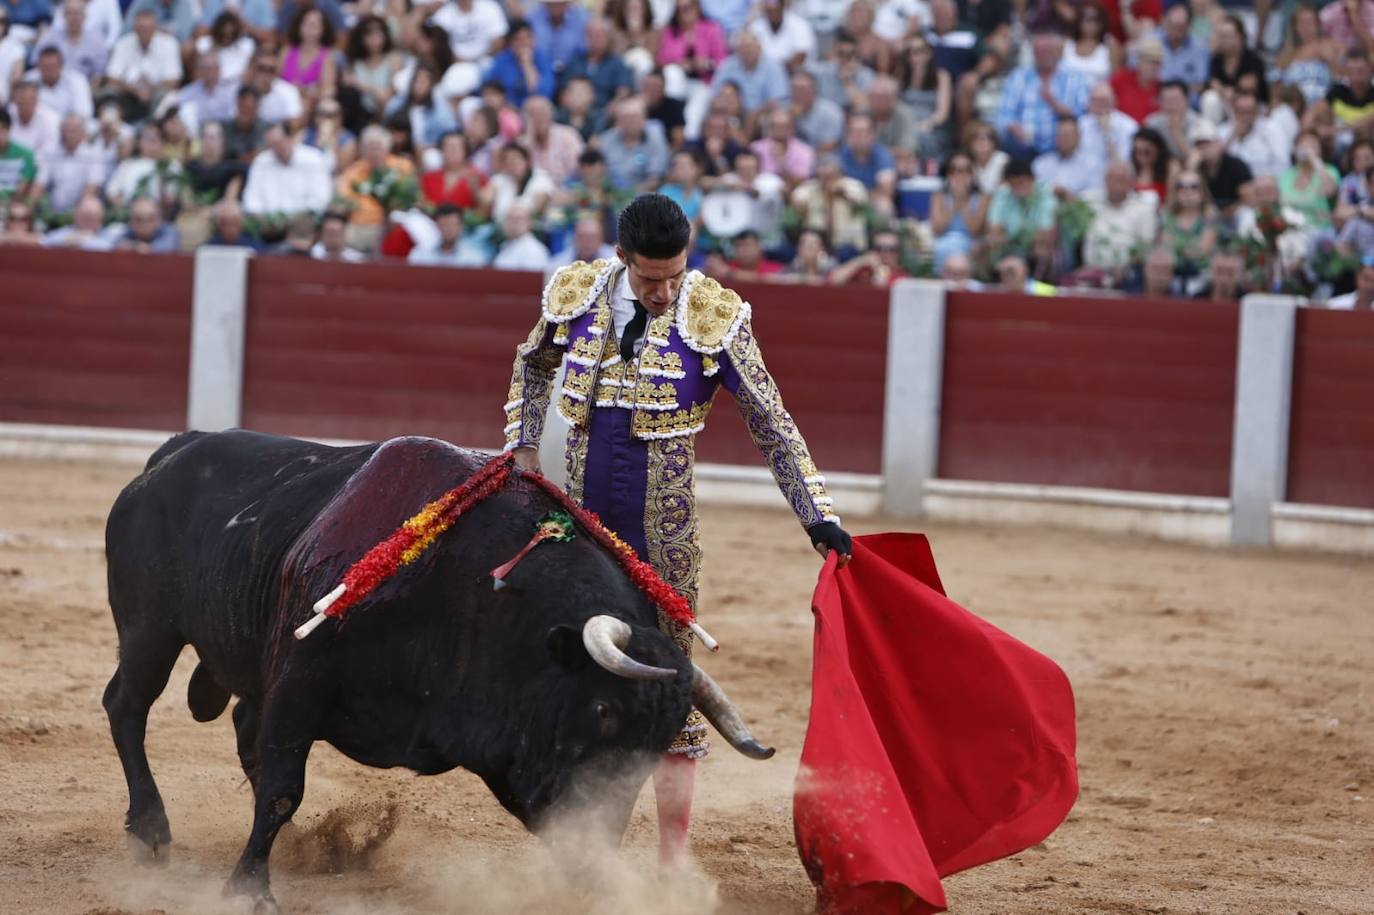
point(655, 282)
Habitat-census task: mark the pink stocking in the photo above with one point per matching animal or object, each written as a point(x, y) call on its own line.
point(673, 781)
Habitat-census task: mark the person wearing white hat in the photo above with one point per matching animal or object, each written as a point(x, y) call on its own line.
point(1228, 178)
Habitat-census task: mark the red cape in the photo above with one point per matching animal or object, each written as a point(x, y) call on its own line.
point(936, 742)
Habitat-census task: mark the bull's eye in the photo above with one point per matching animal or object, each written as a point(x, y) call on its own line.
point(605, 719)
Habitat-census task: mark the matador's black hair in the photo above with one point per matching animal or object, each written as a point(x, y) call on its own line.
point(653, 226)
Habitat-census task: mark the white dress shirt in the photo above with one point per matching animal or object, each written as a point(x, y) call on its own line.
point(160, 62)
point(1099, 146)
point(1078, 174)
point(197, 104)
point(281, 103)
point(70, 95)
point(40, 134)
point(523, 253)
point(1263, 148)
point(470, 34)
point(299, 186)
point(70, 173)
point(87, 53)
point(103, 18)
point(794, 36)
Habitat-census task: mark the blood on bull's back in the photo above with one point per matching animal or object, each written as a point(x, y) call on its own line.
point(195, 543)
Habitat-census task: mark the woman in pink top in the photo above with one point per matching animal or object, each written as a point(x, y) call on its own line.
point(307, 61)
point(693, 42)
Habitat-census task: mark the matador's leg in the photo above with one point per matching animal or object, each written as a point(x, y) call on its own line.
point(674, 549)
point(674, 781)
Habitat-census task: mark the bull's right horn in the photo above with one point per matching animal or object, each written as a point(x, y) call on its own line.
point(605, 638)
point(724, 717)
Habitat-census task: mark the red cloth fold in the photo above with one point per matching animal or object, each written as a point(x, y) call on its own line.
point(936, 742)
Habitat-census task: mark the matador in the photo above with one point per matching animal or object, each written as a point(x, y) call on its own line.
point(647, 343)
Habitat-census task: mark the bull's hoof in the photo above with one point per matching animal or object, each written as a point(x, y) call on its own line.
point(158, 854)
point(150, 836)
point(254, 891)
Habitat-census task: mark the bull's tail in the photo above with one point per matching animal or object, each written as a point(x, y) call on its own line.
point(205, 696)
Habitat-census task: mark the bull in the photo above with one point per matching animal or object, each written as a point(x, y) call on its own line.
point(558, 691)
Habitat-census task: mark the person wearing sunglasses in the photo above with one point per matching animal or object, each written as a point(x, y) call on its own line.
point(1189, 226)
point(880, 266)
point(958, 212)
point(328, 134)
point(281, 101)
point(19, 225)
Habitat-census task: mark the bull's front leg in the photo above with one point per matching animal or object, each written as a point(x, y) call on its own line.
point(283, 745)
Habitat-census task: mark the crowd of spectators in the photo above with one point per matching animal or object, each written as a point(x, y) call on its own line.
point(1197, 148)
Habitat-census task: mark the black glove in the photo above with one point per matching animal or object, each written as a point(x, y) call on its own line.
point(831, 536)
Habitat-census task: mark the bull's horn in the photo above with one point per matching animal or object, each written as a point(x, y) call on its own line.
point(721, 712)
point(605, 638)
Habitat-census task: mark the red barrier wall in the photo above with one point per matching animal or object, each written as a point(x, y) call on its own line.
point(1331, 429)
point(1115, 393)
point(370, 350)
point(94, 339)
point(827, 350)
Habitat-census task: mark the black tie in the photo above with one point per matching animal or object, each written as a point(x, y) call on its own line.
point(633, 331)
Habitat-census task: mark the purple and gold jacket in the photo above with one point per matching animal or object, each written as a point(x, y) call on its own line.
point(702, 342)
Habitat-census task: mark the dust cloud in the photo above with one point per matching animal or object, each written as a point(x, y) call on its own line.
point(570, 868)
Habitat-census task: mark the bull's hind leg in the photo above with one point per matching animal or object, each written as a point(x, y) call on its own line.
point(146, 660)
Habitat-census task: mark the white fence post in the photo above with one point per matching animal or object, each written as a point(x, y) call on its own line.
point(1264, 389)
point(219, 306)
point(911, 408)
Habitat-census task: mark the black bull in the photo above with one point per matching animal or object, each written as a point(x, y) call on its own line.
point(224, 542)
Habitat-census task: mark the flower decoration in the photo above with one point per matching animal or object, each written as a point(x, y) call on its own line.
point(555, 526)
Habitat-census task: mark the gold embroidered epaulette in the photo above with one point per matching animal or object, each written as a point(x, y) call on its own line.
point(573, 289)
point(711, 315)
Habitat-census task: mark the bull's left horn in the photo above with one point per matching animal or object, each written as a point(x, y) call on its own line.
point(605, 638)
point(724, 717)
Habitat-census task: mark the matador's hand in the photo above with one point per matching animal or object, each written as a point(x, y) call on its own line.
point(828, 536)
point(527, 458)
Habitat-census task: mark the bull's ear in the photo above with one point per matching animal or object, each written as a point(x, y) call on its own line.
point(565, 645)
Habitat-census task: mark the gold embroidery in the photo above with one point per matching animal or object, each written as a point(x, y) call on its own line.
point(568, 290)
point(578, 381)
point(669, 424)
point(674, 550)
point(583, 366)
point(775, 433)
point(712, 312)
point(536, 361)
point(575, 461)
point(560, 336)
point(587, 350)
point(652, 396)
point(574, 411)
point(655, 362)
